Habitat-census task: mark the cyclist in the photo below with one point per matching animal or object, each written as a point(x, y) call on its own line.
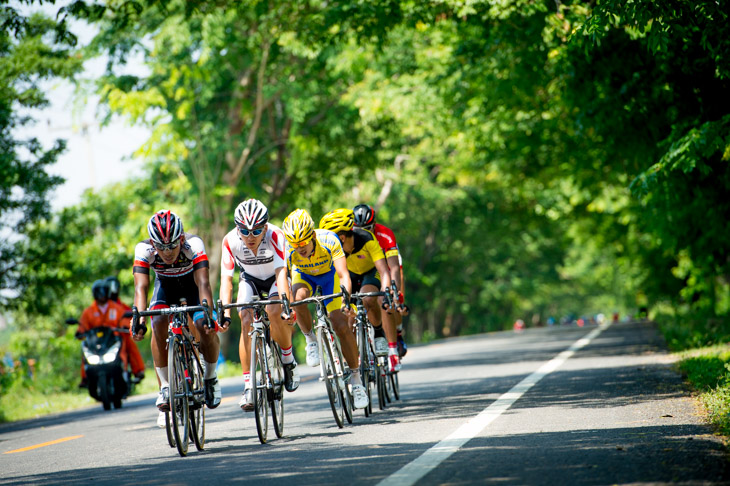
point(364, 216)
point(105, 312)
point(257, 247)
point(315, 257)
point(181, 268)
point(366, 263)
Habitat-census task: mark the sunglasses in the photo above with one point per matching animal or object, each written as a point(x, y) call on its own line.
point(368, 227)
point(255, 232)
point(301, 244)
point(169, 246)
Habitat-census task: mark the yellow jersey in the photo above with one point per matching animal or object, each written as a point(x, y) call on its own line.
point(327, 249)
point(366, 252)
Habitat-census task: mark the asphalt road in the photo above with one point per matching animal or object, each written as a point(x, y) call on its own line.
point(546, 406)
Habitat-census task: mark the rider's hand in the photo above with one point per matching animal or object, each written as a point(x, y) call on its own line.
point(139, 335)
point(225, 323)
point(291, 317)
point(347, 310)
point(213, 321)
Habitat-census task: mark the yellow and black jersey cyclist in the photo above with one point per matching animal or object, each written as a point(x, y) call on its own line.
point(366, 263)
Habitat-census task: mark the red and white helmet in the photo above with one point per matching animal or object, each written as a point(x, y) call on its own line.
point(164, 227)
point(251, 214)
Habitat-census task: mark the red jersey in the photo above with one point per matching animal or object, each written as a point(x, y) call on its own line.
point(386, 238)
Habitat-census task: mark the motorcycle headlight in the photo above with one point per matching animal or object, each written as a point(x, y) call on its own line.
point(111, 355)
point(93, 359)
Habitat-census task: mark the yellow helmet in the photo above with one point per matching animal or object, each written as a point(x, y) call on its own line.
point(338, 220)
point(298, 227)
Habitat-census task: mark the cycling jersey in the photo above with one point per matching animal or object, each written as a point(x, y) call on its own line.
point(365, 253)
point(327, 249)
point(192, 257)
point(386, 238)
point(263, 264)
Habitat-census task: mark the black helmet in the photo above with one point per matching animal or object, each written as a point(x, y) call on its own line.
point(364, 216)
point(114, 286)
point(100, 290)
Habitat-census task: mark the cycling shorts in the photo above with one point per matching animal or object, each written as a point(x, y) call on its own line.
point(371, 277)
point(249, 286)
point(330, 283)
point(169, 291)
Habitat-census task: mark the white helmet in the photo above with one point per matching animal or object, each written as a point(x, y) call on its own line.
point(251, 214)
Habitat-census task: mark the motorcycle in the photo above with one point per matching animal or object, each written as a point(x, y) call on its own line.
point(108, 379)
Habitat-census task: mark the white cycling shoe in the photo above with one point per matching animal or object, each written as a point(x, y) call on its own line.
point(359, 397)
point(312, 354)
point(161, 420)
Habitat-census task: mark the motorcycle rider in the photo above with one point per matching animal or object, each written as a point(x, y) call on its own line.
point(104, 312)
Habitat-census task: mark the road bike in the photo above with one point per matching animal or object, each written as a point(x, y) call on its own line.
point(333, 368)
point(186, 416)
point(267, 369)
point(372, 367)
point(392, 386)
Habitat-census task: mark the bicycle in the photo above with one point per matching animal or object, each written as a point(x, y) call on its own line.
point(392, 386)
point(267, 369)
point(333, 367)
point(372, 367)
point(185, 375)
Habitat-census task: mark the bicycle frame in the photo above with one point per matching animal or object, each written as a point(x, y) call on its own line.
point(372, 366)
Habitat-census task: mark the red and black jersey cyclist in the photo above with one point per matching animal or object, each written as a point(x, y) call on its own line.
point(365, 218)
point(181, 267)
point(257, 248)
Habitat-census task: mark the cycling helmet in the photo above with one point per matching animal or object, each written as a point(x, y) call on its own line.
point(164, 227)
point(113, 283)
point(298, 227)
point(364, 215)
point(100, 290)
point(338, 220)
point(251, 214)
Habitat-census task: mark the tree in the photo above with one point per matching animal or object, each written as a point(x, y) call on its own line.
point(32, 49)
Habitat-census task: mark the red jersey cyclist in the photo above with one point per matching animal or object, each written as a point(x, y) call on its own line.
point(315, 257)
point(365, 218)
point(257, 248)
point(181, 267)
point(366, 263)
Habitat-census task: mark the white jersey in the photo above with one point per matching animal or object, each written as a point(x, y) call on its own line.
point(261, 265)
point(192, 256)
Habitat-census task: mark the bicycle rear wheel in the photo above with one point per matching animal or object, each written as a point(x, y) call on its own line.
point(179, 413)
point(329, 372)
point(197, 401)
point(394, 386)
point(258, 386)
point(276, 393)
point(362, 346)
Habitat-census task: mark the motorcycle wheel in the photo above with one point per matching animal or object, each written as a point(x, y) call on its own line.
point(104, 392)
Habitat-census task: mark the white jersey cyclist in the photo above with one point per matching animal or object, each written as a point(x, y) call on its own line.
point(257, 269)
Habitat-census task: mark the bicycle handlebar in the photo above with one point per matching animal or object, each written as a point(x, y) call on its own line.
point(141, 327)
point(318, 299)
point(284, 301)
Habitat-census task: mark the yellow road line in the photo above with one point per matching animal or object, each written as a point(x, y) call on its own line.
point(57, 441)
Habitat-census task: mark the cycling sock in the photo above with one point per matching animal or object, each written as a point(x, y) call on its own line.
point(355, 378)
point(392, 348)
point(379, 331)
point(162, 375)
point(246, 381)
point(286, 355)
point(210, 370)
point(310, 337)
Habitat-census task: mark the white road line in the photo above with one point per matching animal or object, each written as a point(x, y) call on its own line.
point(429, 460)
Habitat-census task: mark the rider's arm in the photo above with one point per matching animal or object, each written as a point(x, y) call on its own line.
point(394, 267)
point(202, 280)
point(141, 286)
point(282, 282)
point(382, 267)
point(226, 293)
point(341, 269)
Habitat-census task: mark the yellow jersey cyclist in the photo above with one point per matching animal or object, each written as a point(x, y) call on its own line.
point(365, 263)
point(315, 257)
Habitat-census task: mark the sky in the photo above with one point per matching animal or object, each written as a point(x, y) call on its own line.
point(95, 156)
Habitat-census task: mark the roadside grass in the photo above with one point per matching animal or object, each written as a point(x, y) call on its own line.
point(703, 349)
point(22, 402)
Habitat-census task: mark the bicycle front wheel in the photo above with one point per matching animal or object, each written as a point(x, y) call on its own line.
point(258, 386)
point(276, 398)
point(329, 374)
point(197, 400)
point(380, 382)
point(179, 413)
point(362, 346)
